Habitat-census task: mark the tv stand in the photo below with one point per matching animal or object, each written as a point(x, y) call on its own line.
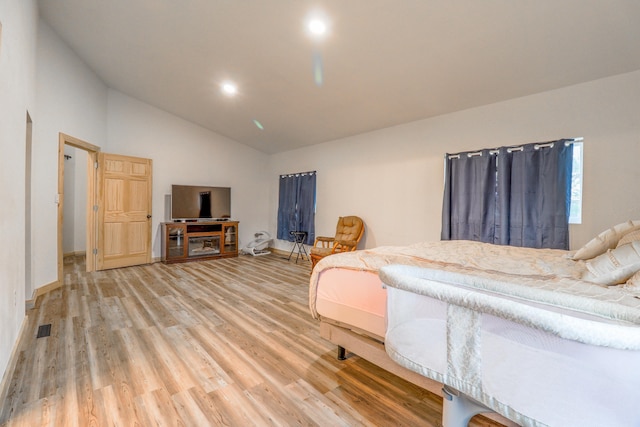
point(199, 240)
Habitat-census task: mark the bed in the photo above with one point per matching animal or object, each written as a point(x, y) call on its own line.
point(535, 335)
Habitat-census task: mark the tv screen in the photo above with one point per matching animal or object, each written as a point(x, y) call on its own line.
point(190, 202)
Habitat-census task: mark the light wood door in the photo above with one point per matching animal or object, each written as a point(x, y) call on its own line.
point(124, 211)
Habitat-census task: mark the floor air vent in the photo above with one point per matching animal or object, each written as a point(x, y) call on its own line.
point(44, 330)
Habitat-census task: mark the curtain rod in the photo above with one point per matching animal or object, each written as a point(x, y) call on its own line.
point(288, 175)
point(493, 151)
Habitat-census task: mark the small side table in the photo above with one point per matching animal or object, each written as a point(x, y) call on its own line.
point(298, 242)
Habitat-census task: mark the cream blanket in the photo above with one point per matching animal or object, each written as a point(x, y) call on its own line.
point(549, 276)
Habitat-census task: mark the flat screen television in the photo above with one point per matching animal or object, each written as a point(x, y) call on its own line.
point(191, 202)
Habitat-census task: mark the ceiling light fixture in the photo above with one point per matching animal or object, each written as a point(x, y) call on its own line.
point(229, 88)
point(317, 24)
point(317, 27)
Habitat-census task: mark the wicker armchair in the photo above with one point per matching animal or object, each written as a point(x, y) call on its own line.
point(349, 231)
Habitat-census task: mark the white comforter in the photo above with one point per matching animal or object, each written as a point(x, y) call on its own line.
point(547, 275)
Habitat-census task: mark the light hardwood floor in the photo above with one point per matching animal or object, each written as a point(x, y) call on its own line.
point(226, 342)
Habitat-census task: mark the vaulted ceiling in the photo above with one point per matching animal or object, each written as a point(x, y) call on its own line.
point(382, 62)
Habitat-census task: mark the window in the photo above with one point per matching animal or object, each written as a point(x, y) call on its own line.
point(575, 212)
point(511, 195)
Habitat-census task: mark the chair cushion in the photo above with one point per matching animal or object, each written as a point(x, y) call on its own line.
point(349, 228)
point(320, 251)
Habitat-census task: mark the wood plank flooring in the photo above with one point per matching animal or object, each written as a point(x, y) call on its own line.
point(228, 342)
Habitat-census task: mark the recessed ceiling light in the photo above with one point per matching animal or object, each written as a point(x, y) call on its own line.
point(317, 24)
point(317, 27)
point(229, 88)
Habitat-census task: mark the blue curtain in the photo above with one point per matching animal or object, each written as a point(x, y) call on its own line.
point(296, 205)
point(287, 206)
point(534, 195)
point(518, 196)
point(469, 197)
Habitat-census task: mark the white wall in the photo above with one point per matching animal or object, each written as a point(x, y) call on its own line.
point(81, 180)
point(71, 99)
point(74, 229)
point(393, 178)
point(17, 69)
point(68, 224)
point(184, 153)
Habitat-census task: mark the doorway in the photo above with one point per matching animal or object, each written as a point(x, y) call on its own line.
point(91, 159)
point(118, 206)
point(74, 220)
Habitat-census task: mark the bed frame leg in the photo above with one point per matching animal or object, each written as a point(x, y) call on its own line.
point(341, 353)
point(458, 409)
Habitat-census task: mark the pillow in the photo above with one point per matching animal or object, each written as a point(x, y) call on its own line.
point(614, 266)
point(631, 236)
point(606, 240)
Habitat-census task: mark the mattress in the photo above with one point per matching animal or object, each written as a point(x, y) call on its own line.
point(355, 298)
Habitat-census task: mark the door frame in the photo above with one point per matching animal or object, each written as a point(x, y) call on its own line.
point(92, 158)
point(28, 229)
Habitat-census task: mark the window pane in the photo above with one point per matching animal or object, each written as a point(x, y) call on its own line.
point(575, 214)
